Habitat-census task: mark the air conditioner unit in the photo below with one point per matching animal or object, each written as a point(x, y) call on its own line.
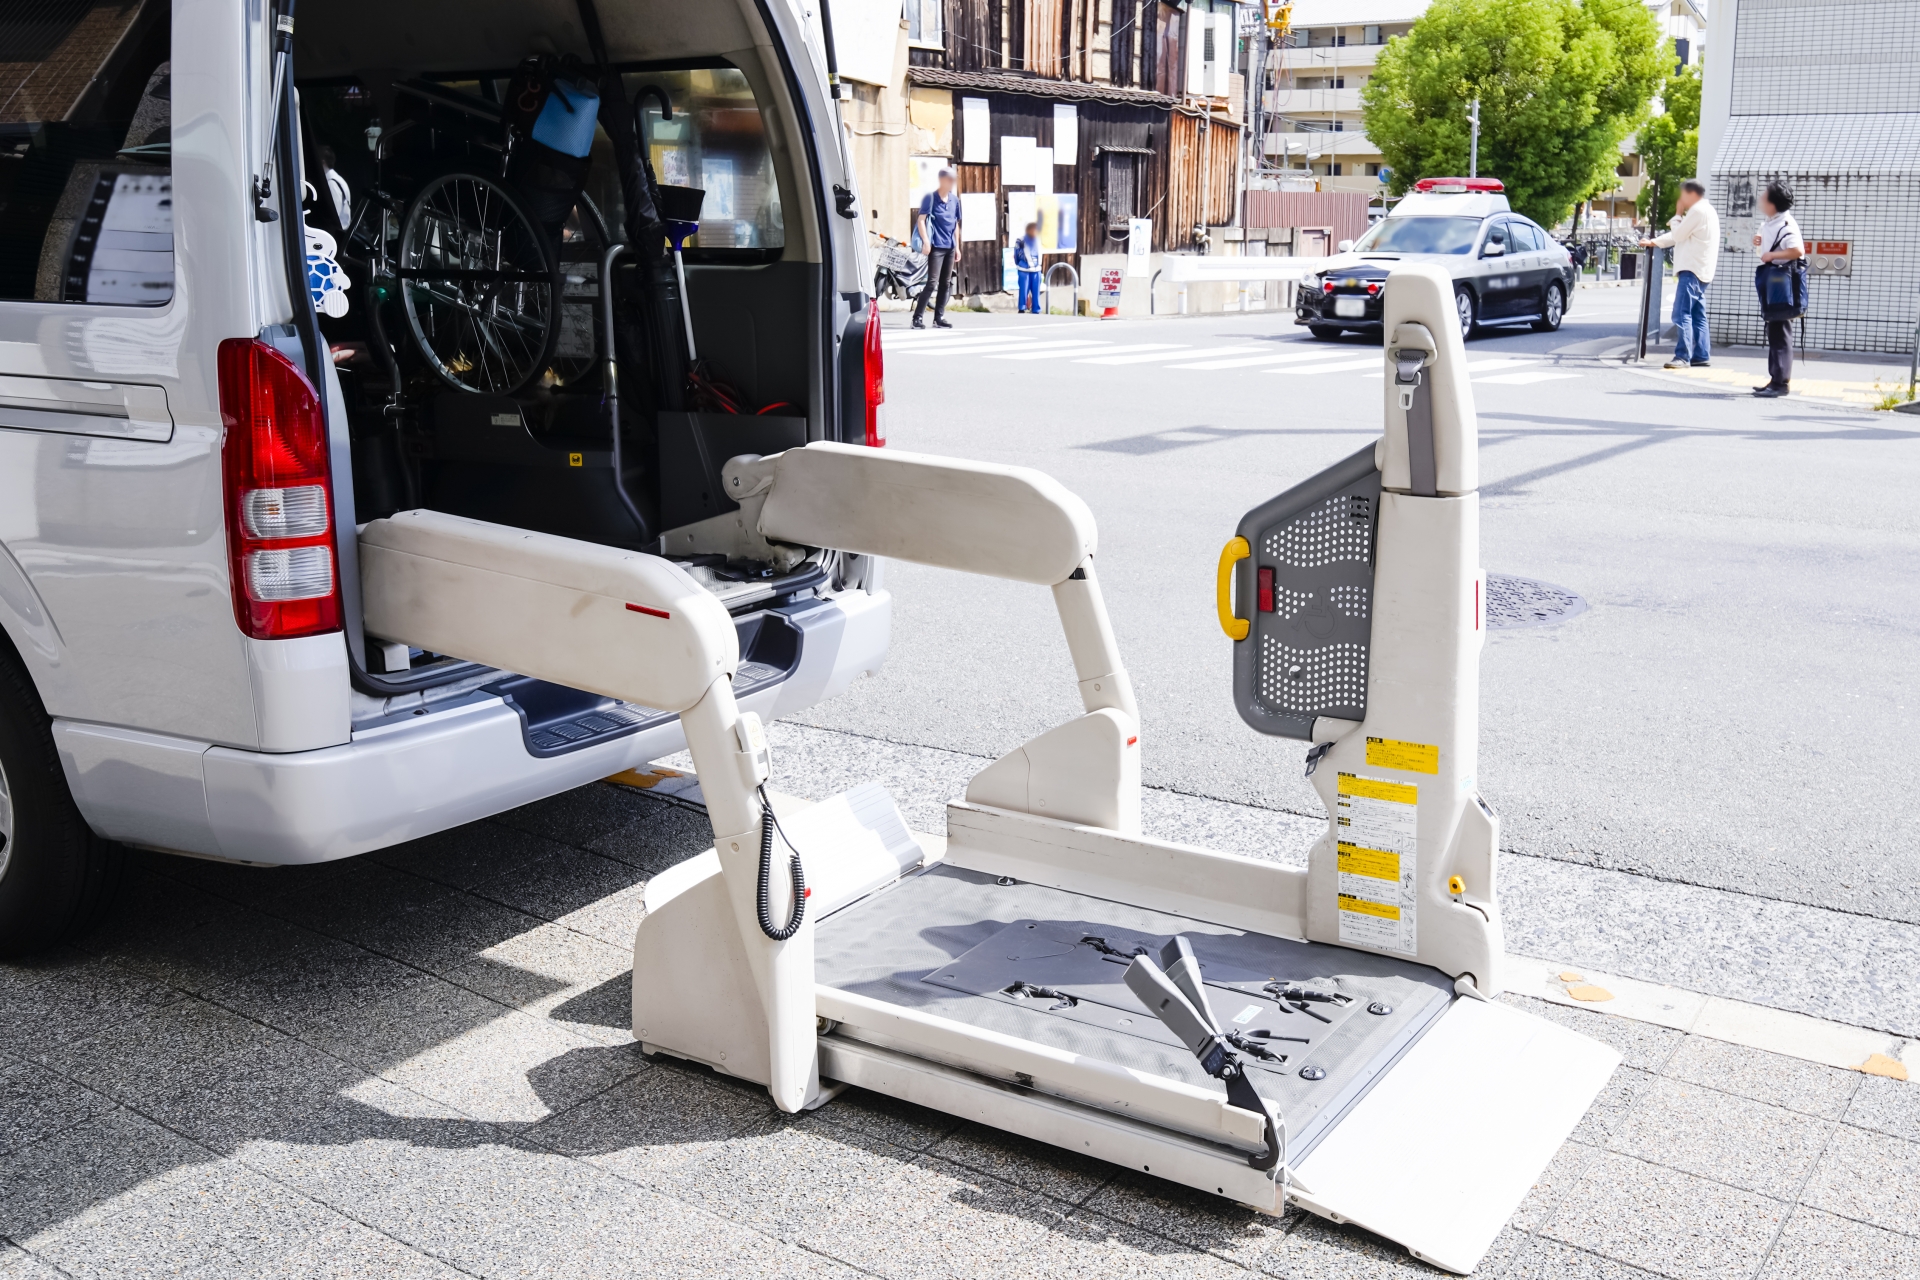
point(1210, 45)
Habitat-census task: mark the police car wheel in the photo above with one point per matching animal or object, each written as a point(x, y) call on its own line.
point(1554, 311)
point(1463, 303)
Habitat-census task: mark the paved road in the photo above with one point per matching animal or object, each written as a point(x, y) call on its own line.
point(1735, 710)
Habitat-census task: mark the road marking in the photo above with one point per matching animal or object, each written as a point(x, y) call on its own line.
point(1477, 367)
point(975, 348)
point(1247, 362)
point(1526, 379)
point(1050, 350)
point(1068, 355)
point(1372, 362)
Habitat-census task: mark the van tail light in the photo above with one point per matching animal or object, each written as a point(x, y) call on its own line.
point(876, 378)
point(279, 495)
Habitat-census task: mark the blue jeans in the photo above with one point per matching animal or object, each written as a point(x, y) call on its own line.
point(1030, 291)
point(1690, 319)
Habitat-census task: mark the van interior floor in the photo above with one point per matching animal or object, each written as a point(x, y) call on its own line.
point(1316, 1024)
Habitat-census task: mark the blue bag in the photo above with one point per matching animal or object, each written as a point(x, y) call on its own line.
point(566, 120)
point(1782, 287)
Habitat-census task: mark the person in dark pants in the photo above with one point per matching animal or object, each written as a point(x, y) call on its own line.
point(1026, 259)
point(1778, 240)
point(939, 227)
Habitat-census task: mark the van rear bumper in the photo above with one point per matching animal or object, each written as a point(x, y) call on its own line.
point(396, 782)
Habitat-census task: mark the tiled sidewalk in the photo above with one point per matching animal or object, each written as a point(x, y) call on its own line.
point(417, 1063)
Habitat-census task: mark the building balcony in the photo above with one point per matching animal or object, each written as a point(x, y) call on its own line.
point(1313, 102)
point(1323, 58)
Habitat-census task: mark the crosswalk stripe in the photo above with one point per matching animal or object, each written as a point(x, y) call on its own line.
point(1372, 362)
point(1247, 362)
point(1176, 352)
point(1104, 349)
point(976, 347)
point(1477, 367)
point(1050, 350)
point(941, 338)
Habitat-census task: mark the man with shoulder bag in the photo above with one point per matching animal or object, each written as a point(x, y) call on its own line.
point(1694, 237)
point(1781, 280)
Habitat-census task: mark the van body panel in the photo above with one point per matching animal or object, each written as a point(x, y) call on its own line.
point(402, 779)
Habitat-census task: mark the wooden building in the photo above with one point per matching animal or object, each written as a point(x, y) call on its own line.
point(1155, 104)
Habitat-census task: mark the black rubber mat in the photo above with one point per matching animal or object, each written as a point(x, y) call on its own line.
point(965, 946)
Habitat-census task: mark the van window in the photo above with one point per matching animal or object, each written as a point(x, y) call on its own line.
point(86, 185)
point(716, 141)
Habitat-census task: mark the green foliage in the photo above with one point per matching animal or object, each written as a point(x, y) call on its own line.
point(1561, 83)
point(1670, 146)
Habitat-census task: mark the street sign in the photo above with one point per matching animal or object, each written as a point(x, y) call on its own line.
point(1832, 258)
point(1109, 287)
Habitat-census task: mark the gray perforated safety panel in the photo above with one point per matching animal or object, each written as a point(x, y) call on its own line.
point(1022, 959)
point(1306, 651)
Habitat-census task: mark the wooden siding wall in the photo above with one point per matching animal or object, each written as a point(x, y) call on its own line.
point(1043, 26)
point(1186, 183)
point(980, 259)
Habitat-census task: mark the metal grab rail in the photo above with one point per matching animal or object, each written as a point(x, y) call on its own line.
point(1046, 288)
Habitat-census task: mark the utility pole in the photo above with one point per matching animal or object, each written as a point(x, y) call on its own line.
point(1473, 157)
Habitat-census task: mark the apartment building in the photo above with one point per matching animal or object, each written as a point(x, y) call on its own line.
point(1310, 111)
point(1310, 104)
point(1826, 96)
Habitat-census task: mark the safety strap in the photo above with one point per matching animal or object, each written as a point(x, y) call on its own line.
point(1416, 398)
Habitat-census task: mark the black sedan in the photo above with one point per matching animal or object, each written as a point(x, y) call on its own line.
point(1505, 268)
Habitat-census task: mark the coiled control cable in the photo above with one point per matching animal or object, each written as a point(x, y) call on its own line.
point(768, 825)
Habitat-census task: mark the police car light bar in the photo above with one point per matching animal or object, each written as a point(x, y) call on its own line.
point(1457, 186)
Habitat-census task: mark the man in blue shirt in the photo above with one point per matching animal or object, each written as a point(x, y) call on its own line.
point(939, 227)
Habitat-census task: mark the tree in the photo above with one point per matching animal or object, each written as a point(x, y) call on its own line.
point(1561, 84)
point(1670, 146)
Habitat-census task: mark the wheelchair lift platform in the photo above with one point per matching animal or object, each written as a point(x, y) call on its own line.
point(1325, 1036)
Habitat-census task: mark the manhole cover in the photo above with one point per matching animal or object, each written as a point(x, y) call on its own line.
point(1527, 602)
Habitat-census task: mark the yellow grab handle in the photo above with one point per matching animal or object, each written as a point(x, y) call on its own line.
point(1230, 555)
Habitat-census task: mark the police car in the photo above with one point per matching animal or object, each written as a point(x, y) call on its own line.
point(1505, 268)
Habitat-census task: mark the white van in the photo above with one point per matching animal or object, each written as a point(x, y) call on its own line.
point(264, 280)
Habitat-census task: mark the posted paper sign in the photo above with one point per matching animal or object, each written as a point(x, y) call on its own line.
point(1021, 210)
point(1066, 133)
point(1043, 169)
point(1109, 295)
point(923, 177)
point(979, 219)
point(976, 123)
point(1139, 245)
point(1059, 223)
point(1378, 857)
point(1016, 162)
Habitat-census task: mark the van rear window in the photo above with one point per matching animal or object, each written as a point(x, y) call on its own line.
point(86, 180)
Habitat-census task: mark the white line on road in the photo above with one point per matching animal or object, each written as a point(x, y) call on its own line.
point(1477, 367)
point(973, 348)
point(1106, 351)
point(1051, 350)
point(1247, 362)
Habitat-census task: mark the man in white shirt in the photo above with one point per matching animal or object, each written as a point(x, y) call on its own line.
point(1694, 238)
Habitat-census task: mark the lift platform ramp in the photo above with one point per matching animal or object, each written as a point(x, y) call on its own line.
point(1261, 1032)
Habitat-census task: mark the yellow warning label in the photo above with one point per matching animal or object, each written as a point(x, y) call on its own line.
point(1378, 788)
point(1391, 753)
point(1360, 906)
point(1358, 860)
point(579, 460)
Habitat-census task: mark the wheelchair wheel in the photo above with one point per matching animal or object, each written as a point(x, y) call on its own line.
point(481, 285)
